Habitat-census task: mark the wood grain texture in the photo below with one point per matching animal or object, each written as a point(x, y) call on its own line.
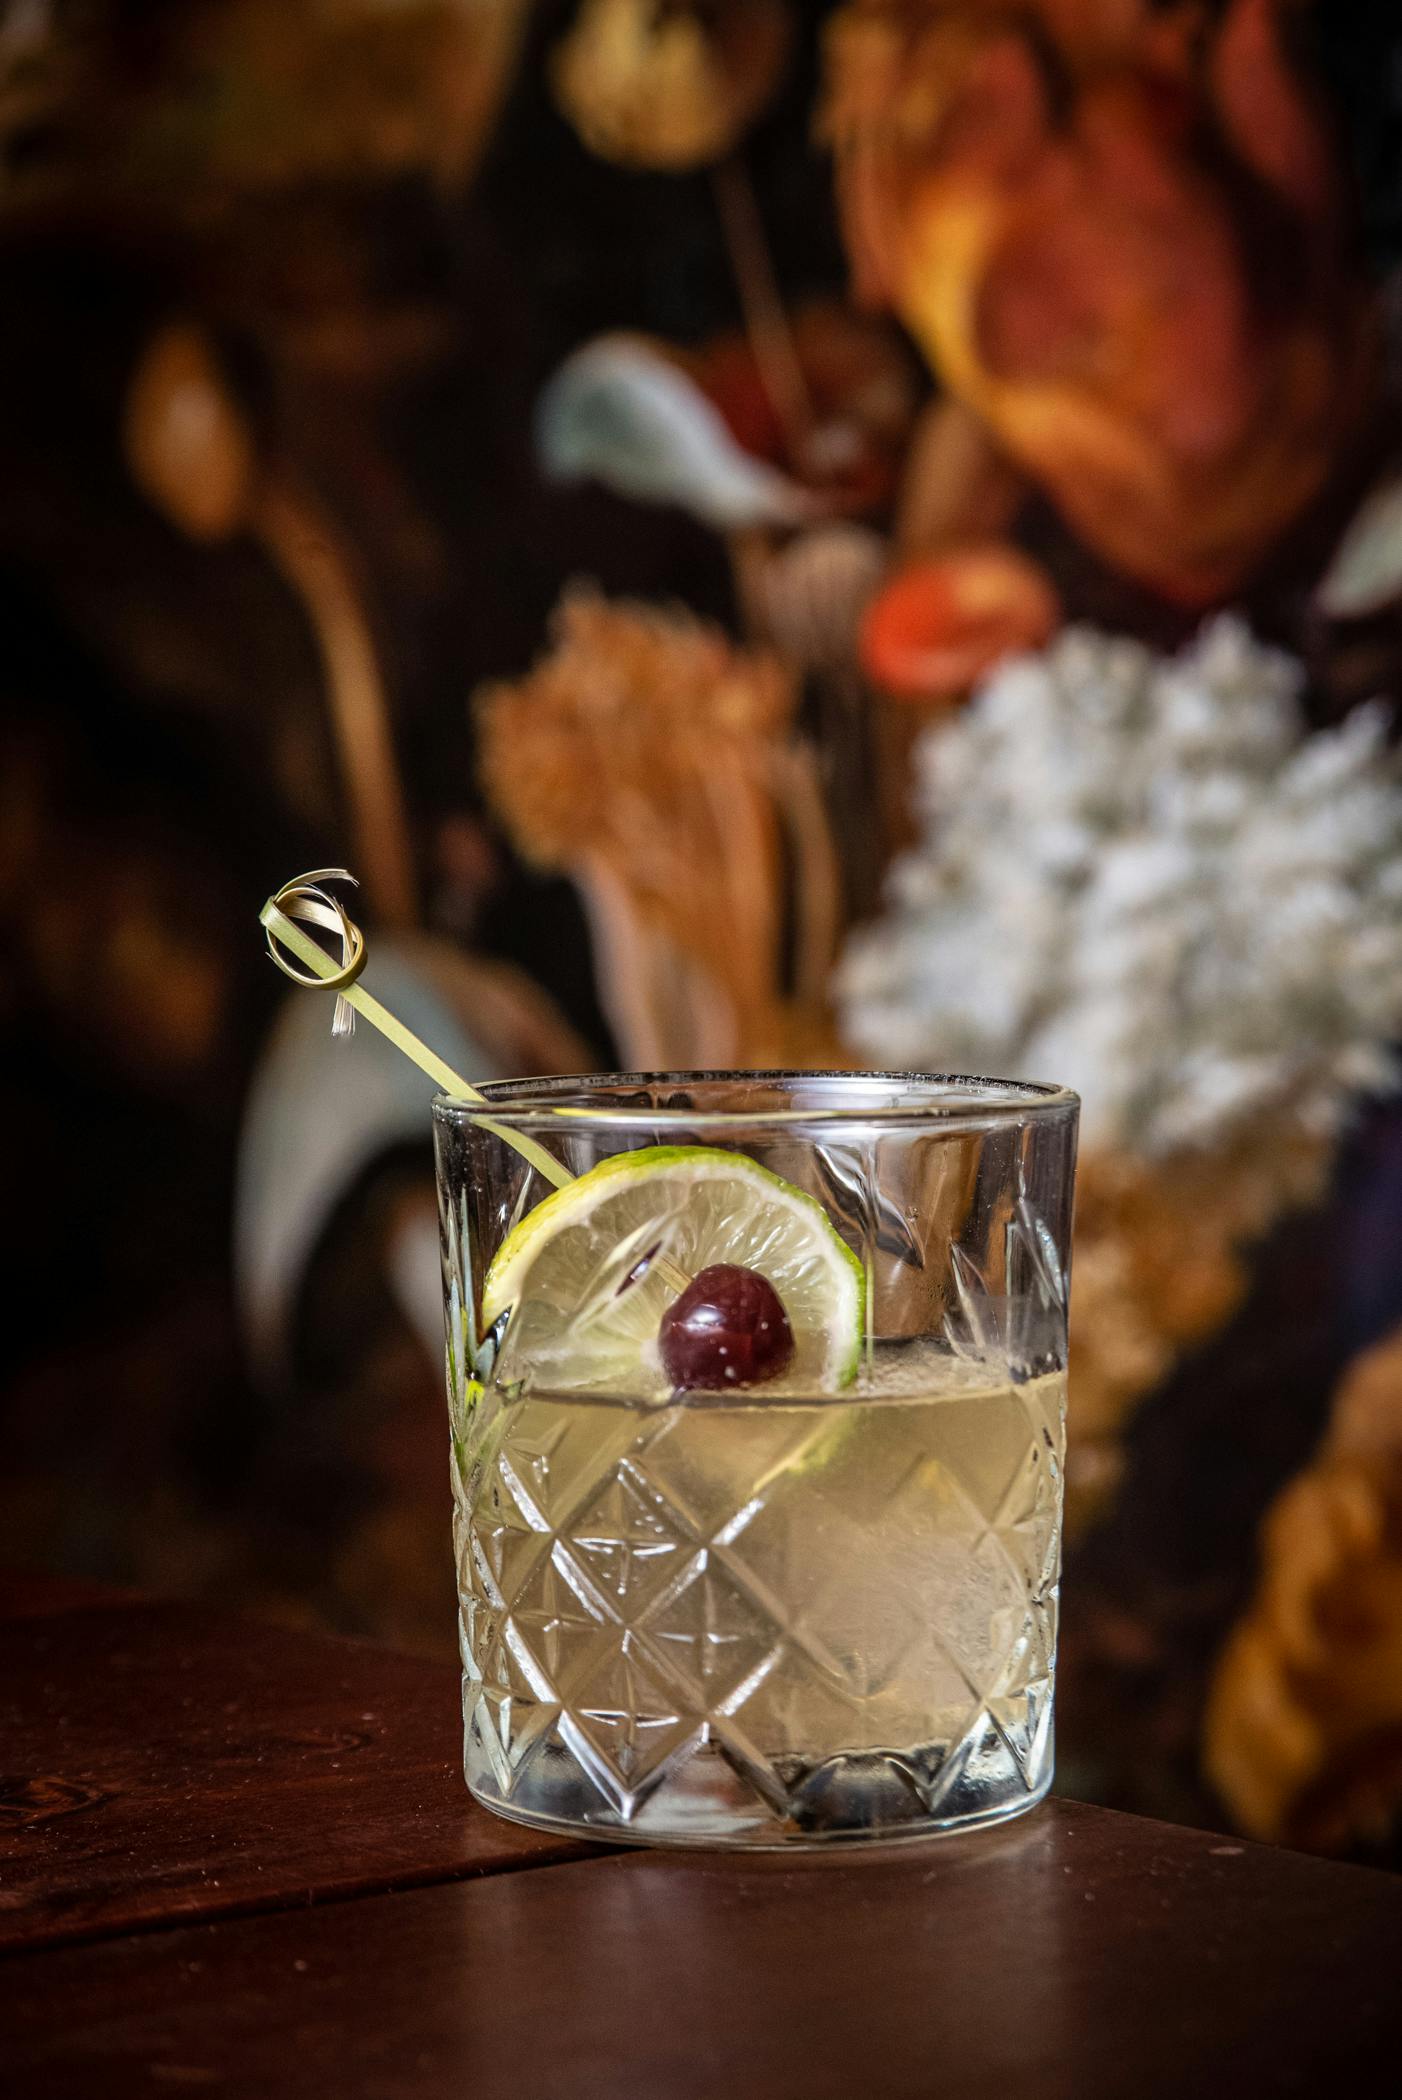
point(161, 1761)
point(1079, 1955)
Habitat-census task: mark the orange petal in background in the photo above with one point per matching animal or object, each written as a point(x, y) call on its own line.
point(938, 624)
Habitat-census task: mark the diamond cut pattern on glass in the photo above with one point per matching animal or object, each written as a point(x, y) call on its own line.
point(645, 1589)
point(715, 1641)
point(774, 1618)
point(630, 1726)
point(626, 1539)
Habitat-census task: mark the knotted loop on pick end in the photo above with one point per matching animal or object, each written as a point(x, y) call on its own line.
point(306, 900)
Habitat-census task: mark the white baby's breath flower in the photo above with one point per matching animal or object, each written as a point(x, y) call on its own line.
point(1142, 876)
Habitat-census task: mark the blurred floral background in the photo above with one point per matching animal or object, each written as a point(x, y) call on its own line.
point(765, 533)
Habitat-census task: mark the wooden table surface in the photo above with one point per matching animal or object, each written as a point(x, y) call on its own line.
point(161, 1762)
point(241, 1860)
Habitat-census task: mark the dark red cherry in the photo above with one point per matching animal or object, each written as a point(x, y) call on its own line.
point(728, 1327)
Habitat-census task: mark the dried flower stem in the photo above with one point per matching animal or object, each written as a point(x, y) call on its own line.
point(816, 876)
point(305, 547)
point(766, 321)
point(744, 875)
point(623, 967)
point(865, 794)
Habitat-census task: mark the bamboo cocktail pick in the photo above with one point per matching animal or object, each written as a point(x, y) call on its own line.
point(306, 899)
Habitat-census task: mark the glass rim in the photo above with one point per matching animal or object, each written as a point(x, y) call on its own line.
point(946, 1101)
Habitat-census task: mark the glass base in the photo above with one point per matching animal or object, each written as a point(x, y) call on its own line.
point(708, 1801)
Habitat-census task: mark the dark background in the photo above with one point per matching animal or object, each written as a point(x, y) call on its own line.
point(166, 764)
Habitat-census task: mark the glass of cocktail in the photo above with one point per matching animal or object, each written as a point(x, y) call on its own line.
point(757, 1390)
